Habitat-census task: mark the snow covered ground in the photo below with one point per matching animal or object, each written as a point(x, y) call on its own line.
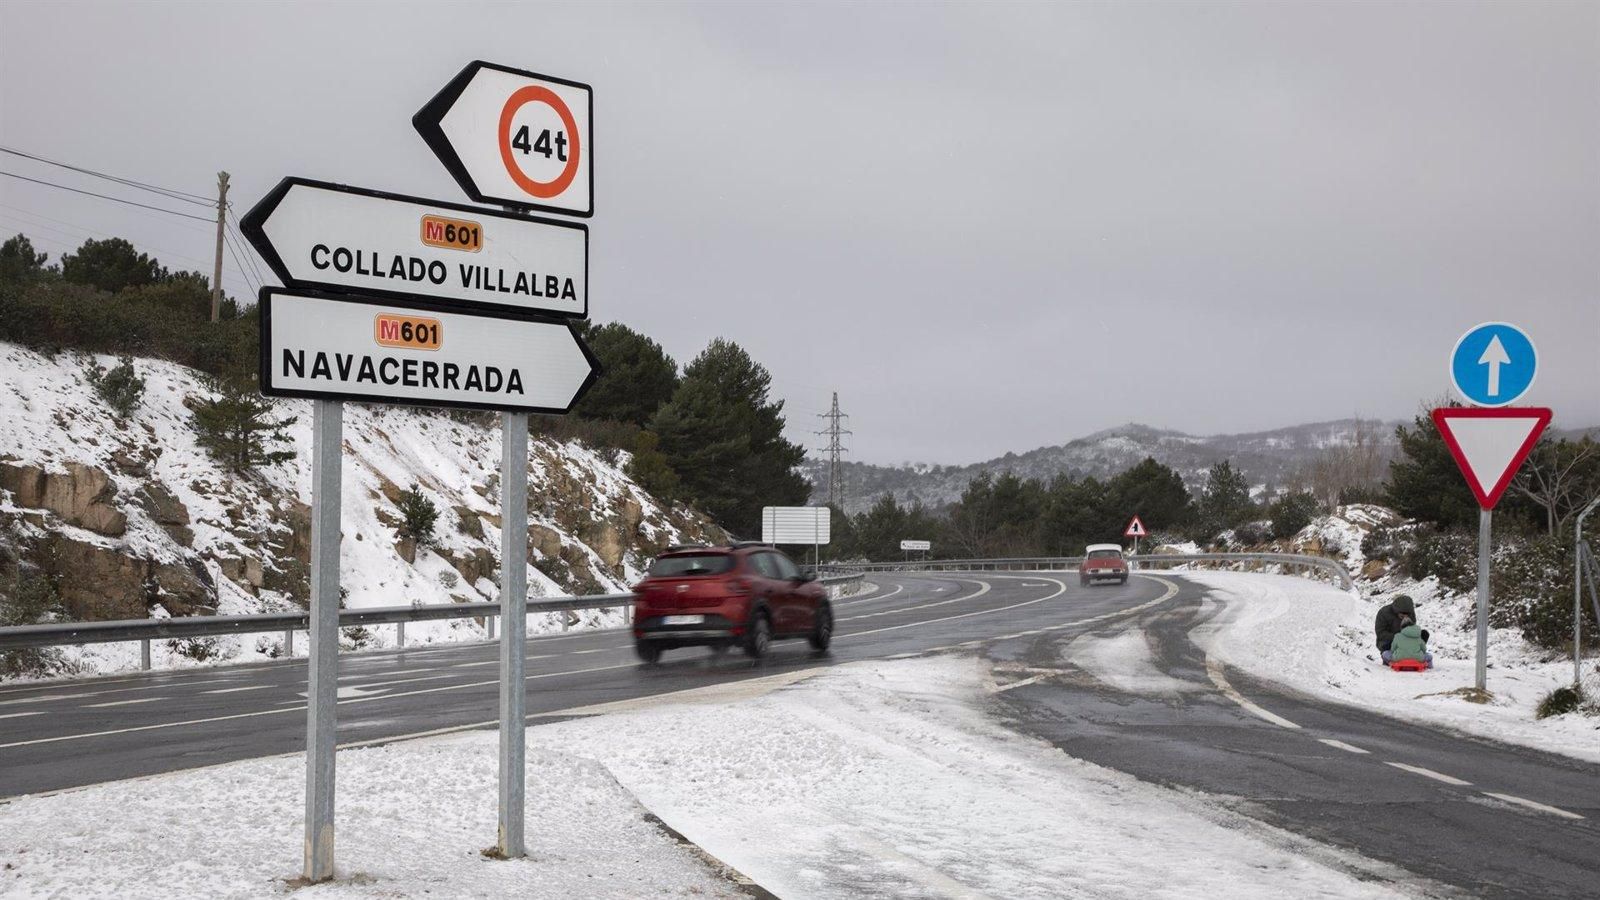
point(591, 525)
point(1315, 638)
point(874, 779)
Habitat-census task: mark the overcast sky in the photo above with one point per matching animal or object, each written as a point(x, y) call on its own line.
point(988, 227)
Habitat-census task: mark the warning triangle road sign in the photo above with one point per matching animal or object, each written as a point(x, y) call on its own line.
point(1490, 445)
point(1135, 528)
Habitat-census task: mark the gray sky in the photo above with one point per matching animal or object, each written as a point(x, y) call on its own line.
point(988, 227)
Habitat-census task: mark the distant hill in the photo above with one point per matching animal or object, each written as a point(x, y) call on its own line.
point(1267, 458)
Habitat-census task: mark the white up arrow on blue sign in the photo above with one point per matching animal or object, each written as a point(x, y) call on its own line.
point(1493, 364)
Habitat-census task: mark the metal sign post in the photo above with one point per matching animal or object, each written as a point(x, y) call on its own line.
point(1481, 670)
point(1492, 365)
point(322, 676)
point(513, 628)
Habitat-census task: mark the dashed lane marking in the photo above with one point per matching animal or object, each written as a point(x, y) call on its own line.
point(1529, 804)
point(122, 702)
point(251, 687)
point(21, 714)
point(1341, 745)
point(1429, 773)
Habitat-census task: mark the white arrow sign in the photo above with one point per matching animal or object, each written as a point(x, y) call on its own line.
point(339, 238)
point(1494, 356)
point(346, 348)
point(515, 138)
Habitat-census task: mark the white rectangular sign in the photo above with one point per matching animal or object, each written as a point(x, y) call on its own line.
point(796, 524)
point(339, 238)
point(916, 545)
point(345, 348)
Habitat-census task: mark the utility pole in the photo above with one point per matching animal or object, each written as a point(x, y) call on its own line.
point(222, 223)
point(835, 433)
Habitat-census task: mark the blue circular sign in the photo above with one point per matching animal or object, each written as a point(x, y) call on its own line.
point(1493, 364)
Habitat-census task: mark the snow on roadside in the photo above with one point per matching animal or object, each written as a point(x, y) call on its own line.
point(1314, 638)
point(889, 779)
point(873, 779)
point(411, 821)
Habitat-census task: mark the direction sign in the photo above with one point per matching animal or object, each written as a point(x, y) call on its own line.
point(1135, 529)
point(347, 348)
point(344, 239)
point(1490, 445)
point(1493, 364)
point(916, 545)
point(515, 138)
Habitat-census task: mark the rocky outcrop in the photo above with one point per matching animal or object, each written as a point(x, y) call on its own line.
point(168, 512)
point(82, 495)
point(98, 583)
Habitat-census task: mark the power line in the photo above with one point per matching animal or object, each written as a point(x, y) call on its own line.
point(171, 212)
point(165, 192)
point(238, 232)
point(254, 288)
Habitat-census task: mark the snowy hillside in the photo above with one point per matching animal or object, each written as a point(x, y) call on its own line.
point(135, 518)
point(1265, 458)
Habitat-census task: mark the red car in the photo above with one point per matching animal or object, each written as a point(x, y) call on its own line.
point(743, 595)
point(1103, 562)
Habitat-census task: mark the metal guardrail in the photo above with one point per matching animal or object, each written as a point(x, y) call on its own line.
point(1046, 563)
point(58, 634)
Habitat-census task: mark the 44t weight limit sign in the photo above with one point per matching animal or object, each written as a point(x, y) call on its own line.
point(514, 138)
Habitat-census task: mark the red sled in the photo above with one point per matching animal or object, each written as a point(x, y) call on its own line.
point(1409, 665)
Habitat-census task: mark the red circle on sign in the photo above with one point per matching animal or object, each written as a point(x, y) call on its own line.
point(518, 99)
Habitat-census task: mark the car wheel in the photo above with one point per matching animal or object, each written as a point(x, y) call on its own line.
point(822, 633)
point(759, 638)
point(648, 652)
point(1082, 581)
point(1124, 580)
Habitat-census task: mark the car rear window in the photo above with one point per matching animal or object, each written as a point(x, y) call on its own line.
point(691, 564)
point(1105, 554)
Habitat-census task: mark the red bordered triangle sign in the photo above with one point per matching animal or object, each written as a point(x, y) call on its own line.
point(1135, 528)
point(1490, 445)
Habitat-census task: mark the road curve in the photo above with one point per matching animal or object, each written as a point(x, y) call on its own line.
point(68, 734)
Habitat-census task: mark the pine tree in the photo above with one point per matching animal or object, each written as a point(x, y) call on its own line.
point(637, 376)
point(238, 428)
point(723, 436)
point(1424, 482)
point(19, 262)
point(1226, 502)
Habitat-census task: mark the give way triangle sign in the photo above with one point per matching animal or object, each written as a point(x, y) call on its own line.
point(1490, 445)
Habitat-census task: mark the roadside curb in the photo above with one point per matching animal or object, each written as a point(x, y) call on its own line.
point(743, 882)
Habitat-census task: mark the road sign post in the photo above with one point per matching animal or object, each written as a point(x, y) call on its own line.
point(396, 299)
point(322, 675)
point(513, 629)
point(1492, 366)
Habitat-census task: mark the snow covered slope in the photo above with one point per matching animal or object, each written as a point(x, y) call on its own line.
point(135, 517)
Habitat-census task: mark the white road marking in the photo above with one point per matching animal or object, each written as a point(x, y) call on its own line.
point(1539, 807)
point(252, 687)
point(846, 601)
point(1429, 773)
point(983, 588)
point(123, 702)
point(1214, 669)
point(21, 714)
point(1341, 745)
point(1002, 688)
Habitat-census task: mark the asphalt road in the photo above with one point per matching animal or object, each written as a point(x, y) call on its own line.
point(1113, 675)
point(1139, 694)
point(63, 735)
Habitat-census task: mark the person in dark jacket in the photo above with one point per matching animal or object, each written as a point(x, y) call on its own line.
point(1391, 619)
